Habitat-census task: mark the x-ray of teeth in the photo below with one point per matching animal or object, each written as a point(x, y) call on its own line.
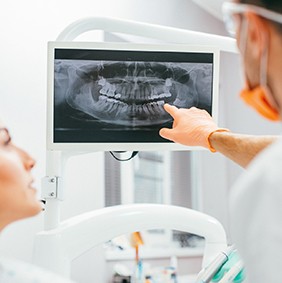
point(130, 93)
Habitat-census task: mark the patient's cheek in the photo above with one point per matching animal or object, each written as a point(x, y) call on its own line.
point(11, 167)
point(13, 176)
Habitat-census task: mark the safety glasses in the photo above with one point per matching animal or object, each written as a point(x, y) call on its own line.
point(231, 12)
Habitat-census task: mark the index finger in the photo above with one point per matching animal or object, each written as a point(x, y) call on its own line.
point(170, 109)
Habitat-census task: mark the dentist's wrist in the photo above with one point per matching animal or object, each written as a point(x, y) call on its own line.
point(211, 138)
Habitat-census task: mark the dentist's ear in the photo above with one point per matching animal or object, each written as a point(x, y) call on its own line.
point(258, 34)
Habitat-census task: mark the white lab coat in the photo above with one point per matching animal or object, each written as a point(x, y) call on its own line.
point(256, 216)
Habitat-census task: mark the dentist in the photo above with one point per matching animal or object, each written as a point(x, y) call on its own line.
point(256, 198)
point(258, 30)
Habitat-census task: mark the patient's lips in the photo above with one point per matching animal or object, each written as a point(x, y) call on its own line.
point(130, 94)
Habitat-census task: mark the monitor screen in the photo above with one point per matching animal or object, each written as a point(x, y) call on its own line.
point(110, 96)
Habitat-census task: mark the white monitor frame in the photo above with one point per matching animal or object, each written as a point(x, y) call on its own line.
point(122, 146)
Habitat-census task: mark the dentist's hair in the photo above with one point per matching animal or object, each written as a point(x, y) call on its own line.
point(272, 5)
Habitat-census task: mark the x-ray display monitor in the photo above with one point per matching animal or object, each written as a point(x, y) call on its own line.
point(104, 96)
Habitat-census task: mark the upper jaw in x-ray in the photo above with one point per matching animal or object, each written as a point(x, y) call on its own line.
point(131, 93)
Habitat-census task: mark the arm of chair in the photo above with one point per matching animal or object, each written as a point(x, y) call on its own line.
point(55, 249)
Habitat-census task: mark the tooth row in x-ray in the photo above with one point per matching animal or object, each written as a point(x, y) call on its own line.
point(131, 93)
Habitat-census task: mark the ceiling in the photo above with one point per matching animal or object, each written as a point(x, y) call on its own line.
point(211, 6)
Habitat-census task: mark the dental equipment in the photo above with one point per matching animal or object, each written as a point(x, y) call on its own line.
point(52, 185)
point(110, 96)
point(136, 241)
point(163, 33)
point(78, 234)
point(208, 272)
point(61, 242)
point(230, 276)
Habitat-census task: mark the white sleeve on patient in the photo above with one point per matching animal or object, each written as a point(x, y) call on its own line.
point(14, 271)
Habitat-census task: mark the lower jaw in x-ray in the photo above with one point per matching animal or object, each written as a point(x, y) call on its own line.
point(133, 93)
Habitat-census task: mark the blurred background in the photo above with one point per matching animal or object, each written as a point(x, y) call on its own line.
point(96, 180)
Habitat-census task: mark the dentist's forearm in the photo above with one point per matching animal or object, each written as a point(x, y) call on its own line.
point(239, 148)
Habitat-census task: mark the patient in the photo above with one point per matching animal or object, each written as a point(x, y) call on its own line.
point(18, 201)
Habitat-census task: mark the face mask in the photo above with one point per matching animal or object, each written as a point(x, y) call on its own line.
point(260, 97)
point(257, 98)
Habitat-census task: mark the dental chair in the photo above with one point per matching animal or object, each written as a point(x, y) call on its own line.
point(77, 235)
point(64, 241)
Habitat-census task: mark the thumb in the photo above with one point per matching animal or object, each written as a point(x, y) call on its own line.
point(166, 133)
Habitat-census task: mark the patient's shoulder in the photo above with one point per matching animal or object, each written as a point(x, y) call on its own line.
point(15, 271)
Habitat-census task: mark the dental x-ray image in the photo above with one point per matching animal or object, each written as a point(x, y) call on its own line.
point(114, 96)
